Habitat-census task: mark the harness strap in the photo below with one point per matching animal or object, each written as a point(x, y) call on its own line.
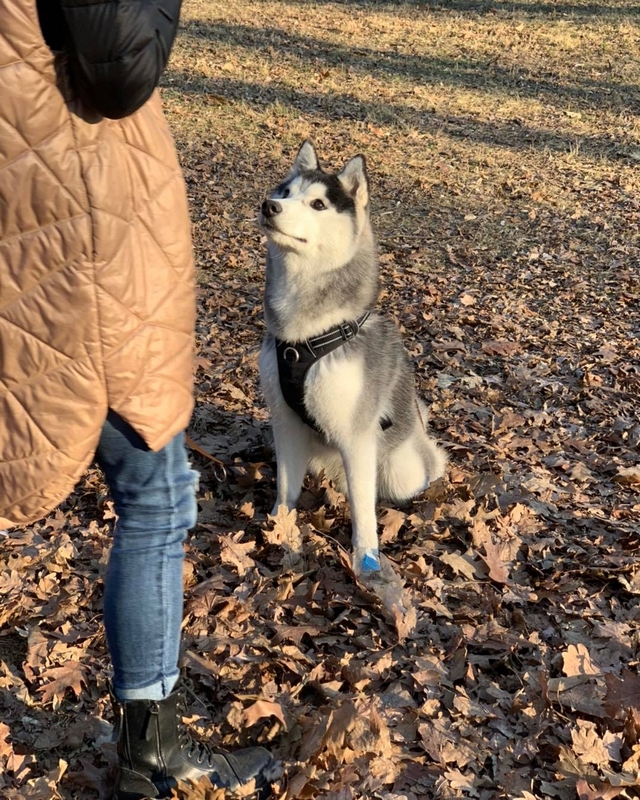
point(295, 360)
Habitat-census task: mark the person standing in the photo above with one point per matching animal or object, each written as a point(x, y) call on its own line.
point(97, 311)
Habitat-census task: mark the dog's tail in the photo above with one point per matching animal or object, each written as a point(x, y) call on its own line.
point(423, 412)
point(435, 456)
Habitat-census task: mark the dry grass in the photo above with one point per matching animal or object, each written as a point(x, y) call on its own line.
point(449, 102)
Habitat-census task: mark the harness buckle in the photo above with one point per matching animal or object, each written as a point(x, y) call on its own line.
point(347, 330)
point(291, 355)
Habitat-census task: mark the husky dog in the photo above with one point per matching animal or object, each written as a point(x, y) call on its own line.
point(335, 375)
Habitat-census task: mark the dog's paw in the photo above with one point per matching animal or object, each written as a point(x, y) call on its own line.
point(366, 561)
point(276, 509)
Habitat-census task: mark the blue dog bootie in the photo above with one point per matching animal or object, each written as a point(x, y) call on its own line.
point(370, 561)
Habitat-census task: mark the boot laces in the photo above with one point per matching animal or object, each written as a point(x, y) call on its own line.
point(193, 749)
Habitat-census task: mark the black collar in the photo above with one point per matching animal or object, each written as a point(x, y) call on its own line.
point(313, 349)
point(295, 360)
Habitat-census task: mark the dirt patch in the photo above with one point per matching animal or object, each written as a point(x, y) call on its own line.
point(13, 649)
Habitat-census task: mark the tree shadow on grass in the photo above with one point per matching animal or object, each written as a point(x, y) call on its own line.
point(423, 70)
point(514, 134)
point(520, 8)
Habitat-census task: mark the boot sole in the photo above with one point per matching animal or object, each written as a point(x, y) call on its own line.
point(262, 792)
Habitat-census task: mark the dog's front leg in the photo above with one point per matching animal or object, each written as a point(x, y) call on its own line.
point(361, 470)
point(293, 448)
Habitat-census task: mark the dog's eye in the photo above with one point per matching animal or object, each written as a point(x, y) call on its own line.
point(284, 193)
point(318, 205)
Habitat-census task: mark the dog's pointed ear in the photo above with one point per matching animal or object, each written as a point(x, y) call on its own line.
point(355, 181)
point(306, 160)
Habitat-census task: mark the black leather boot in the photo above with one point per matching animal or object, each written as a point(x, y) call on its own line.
point(155, 751)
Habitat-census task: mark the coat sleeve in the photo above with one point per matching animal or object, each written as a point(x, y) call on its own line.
point(118, 50)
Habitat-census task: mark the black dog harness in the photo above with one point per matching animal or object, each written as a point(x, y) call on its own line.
point(295, 360)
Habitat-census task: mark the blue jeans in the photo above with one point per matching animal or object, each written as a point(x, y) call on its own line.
point(154, 495)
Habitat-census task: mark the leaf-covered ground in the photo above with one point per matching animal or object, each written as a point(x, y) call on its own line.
point(503, 143)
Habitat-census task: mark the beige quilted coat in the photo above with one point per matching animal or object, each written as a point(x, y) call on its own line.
point(96, 276)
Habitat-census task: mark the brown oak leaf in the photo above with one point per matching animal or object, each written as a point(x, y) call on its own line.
point(623, 693)
point(500, 347)
point(392, 520)
point(498, 569)
point(576, 660)
point(261, 709)
point(5, 746)
point(604, 792)
point(343, 720)
point(294, 633)
point(235, 552)
point(591, 748)
point(71, 675)
point(202, 789)
point(286, 534)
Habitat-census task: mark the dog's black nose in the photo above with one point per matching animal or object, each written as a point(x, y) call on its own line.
point(271, 207)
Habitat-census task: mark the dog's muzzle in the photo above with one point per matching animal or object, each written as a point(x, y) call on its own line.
point(270, 208)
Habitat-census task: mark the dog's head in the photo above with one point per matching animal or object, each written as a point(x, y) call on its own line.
point(318, 215)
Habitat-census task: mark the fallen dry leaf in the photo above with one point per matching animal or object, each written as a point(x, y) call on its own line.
point(71, 675)
point(508, 237)
point(261, 709)
point(235, 552)
point(462, 565)
point(286, 534)
point(299, 781)
point(388, 587)
point(391, 520)
point(576, 660)
point(6, 748)
point(500, 347)
point(342, 722)
point(602, 792)
point(623, 693)
point(202, 789)
point(628, 476)
point(294, 633)
point(593, 749)
point(492, 556)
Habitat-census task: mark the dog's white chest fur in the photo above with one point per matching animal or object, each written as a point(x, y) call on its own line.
point(333, 391)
